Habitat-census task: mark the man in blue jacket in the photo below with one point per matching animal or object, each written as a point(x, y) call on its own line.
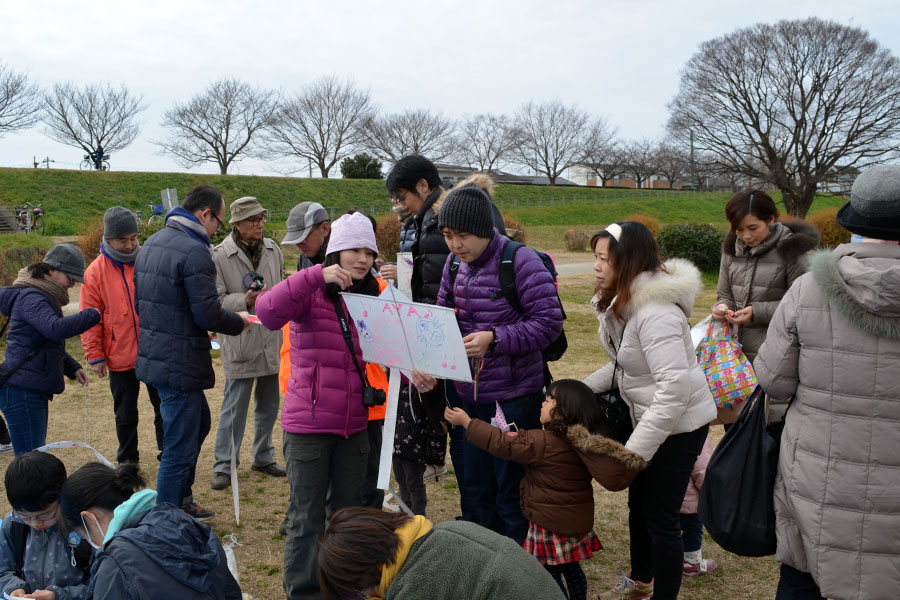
point(178, 304)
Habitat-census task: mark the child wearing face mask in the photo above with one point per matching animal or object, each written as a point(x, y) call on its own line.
point(144, 550)
point(35, 559)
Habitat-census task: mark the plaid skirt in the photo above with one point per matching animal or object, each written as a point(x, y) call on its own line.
point(552, 549)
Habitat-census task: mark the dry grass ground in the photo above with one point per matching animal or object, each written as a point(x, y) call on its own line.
point(87, 415)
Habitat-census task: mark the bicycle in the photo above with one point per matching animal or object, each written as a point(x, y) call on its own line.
point(154, 220)
point(88, 163)
point(30, 218)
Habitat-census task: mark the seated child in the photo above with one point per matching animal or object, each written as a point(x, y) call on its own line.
point(560, 461)
point(35, 560)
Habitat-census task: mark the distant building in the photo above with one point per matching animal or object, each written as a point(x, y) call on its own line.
point(586, 176)
point(453, 174)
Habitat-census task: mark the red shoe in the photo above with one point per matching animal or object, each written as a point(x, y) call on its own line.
point(699, 568)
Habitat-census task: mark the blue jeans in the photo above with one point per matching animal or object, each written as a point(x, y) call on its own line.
point(186, 422)
point(691, 532)
point(26, 417)
point(493, 483)
point(458, 455)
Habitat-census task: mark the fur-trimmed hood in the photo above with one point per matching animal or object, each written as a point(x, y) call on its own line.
point(862, 283)
point(585, 441)
point(790, 238)
point(679, 284)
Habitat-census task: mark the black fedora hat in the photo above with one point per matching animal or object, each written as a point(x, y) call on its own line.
point(874, 207)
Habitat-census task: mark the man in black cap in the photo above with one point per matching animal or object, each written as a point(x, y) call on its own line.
point(111, 347)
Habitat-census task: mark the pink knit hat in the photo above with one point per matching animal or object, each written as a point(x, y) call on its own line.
point(350, 232)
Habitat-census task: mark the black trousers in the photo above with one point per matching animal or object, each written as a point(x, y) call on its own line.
point(797, 585)
point(125, 388)
point(654, 520)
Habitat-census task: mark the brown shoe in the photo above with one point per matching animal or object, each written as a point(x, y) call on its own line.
point(272, 470)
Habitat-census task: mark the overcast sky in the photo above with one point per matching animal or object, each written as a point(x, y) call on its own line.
point(619, 59)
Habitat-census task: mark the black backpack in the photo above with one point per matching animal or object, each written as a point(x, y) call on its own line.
point(555, 349)
point(18, 533)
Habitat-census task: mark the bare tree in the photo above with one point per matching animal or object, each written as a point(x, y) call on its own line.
point(607, 161)
point(485, 141)
point(220, 125)
point(672, 162)
point(20, 101)
point(641, 158)
point(553, 137)
point(321, 123)
point(418, 131)
point(95, 115)
point(789, 102)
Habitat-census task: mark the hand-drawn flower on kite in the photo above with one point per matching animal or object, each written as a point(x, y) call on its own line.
point(430, 332)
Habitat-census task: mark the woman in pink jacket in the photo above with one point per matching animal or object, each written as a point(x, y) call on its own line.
point(324, 419)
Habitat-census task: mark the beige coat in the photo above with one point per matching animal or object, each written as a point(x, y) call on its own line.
point(834, 345)
point(760, 276)
point(255, 352)
point(657, 372)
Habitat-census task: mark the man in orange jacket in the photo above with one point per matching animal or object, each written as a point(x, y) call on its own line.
point(111, 347)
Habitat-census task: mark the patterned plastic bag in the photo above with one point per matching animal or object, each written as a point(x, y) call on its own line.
point(728, 372)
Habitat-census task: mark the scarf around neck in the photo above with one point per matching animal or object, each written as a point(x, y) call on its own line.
point(412, 530)
point(113, 254)
point(251, 248)
point(56, 292)
point(179, 218)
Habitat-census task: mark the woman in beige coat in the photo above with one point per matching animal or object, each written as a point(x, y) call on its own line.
point(834, 345)
point(643, 305)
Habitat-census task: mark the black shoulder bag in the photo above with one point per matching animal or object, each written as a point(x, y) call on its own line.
point(615, 410)
point(372, 396)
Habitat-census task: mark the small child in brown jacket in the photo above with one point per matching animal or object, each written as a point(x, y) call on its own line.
point(560, 461)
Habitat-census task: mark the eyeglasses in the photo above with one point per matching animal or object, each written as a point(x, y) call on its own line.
point(216, 217)
point(257, 219)
point(399, 197)
point(47, 516)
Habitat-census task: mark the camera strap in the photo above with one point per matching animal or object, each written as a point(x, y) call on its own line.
point(348, 338)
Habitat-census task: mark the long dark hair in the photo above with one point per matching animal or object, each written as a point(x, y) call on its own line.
point(633, 253)
point(358, 543)
point(96, 485)
point(575, 405)
point(367, 285)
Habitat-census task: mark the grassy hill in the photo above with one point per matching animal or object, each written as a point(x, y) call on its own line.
point(72, 200)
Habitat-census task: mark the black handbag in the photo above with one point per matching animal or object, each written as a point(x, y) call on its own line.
point(737, 503)
point(616, 412)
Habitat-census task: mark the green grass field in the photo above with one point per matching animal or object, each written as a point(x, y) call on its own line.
point(72, 200)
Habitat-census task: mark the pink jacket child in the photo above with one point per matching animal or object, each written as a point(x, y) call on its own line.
point(324, 394)
point(692, 496)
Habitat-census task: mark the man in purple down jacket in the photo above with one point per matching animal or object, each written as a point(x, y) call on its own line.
point(503, 344)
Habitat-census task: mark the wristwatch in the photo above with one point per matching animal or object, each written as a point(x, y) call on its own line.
point(494, 341)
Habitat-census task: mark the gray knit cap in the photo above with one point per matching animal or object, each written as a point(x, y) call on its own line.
point(874, 207)
point(119, 222)
point(68, 259)
point(468, 209)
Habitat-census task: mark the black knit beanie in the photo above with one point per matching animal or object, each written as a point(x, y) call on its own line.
point(468, 209)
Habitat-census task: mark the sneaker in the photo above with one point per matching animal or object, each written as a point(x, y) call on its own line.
point(272, 470)
point(282, 529)
point(198, 512)
point(5, 448)
point(699, 568)
point(220, 481)
point(628, 589)
point(433, 472)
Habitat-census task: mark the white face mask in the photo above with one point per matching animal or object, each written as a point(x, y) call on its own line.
point(88, 533)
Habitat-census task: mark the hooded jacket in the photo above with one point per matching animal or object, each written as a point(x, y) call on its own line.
point(761, 275)
point(658, 374)
point(109, 287)
point(160, 553)
point(255, 352)
point(556, 491)
point(324, 393)
point(514, 368)
point(35, 319)
point(178, 304)
point(834, 345)
point(46, 564)
point(458, 559)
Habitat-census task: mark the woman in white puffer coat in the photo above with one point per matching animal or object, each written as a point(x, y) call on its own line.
point(643, 306)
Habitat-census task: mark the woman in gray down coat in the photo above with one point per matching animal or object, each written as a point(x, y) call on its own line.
point(834, 345)
point(643, 306)
point(761, 258)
